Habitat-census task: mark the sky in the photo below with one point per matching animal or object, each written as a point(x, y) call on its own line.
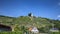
point(40, 8)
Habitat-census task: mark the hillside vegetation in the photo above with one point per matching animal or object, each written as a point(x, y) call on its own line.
point(23, 22)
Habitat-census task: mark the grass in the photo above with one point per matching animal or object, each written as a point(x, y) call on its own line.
point(11, 32)
point(55, 33)
point(20, 32)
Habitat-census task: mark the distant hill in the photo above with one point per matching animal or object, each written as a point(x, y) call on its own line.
point(27, 22)
point(6, 19)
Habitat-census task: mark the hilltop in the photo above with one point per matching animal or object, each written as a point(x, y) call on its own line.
point(26, 21)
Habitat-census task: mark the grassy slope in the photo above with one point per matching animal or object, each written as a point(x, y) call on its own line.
point(26, 21)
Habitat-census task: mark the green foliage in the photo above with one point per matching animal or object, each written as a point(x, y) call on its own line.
point(25, 21)
point(55, 33)
point(16, 32)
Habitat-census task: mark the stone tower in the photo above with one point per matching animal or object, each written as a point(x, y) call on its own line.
point(30, 16)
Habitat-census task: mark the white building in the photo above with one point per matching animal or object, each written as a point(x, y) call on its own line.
point(35, 30)
point(54, 30)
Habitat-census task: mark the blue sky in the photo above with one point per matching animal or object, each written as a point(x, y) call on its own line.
point(42, 8)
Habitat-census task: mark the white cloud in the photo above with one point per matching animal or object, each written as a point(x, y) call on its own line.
point(58, 16)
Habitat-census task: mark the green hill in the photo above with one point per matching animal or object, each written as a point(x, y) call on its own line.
point(6, 19)
point(26, 21)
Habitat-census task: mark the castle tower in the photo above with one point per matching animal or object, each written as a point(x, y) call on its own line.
point(30, 15)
